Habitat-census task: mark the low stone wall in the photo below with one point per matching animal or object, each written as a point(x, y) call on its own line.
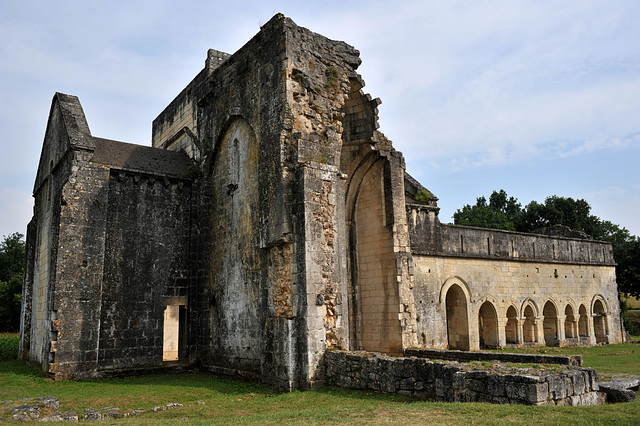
point(454, 382)
point(466, 356)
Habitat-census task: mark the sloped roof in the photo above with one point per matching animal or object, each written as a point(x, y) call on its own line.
point(141, 159)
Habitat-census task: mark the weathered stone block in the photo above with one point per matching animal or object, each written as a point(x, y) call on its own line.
point(537, 392)
point(496, 385)
point(616, 393)
point(557, 387)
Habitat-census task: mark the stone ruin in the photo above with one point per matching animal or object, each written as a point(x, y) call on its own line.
point(269, 223)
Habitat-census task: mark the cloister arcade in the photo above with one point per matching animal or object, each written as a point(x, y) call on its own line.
point(486, 323)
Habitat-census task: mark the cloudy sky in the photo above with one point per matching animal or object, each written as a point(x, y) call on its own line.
point(537, 97)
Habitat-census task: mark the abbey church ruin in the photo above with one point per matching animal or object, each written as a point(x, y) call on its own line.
point(270, 222)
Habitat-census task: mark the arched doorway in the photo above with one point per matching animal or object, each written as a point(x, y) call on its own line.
point(582, 322)
point(488, 326)
point(550, 324)
point(600, 322)
point(570, 331)
point(375, 297)
point(457, 320)
point(529, 327)
point(511, 329)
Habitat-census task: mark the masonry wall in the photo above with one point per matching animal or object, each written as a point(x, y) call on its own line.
point(507, 284)
point(517, 288)
point(146, 267)
point(66, 140)
point(474, 242)
point(242, 253)
point(79, 268)
point(317, 79)
point(176, 127)
point(452, 382)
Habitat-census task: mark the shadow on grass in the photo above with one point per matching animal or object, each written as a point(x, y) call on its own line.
point(18, 375)
point(20, 368)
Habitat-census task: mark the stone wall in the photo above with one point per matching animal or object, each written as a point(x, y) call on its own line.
point(66, 139)
point(140, 280)
point(510, 287)
point(467, 356)
point(452, 382)
point(520, 295)
point(465, 241)
point(175, 128)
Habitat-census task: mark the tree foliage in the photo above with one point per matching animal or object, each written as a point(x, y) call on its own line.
point(501, 212)
point(504, 212)
point(11, 275)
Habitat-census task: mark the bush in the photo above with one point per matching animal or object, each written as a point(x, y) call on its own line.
point(630, 324)
point(423, 195)
point(9, 344)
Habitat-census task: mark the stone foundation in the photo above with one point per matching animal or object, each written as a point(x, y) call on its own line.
point(466, 356)
point(453, 382)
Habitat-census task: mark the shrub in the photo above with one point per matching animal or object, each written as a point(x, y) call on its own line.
point(9, 343)
point(423, 195)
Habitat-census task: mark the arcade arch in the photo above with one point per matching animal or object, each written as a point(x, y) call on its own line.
point(457, 318)
point(488, 326)
point(550, 324)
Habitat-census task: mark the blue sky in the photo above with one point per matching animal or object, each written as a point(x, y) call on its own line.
point(537, 98)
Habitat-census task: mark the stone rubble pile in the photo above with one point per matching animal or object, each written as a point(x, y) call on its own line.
point(45, 409)
point(620, 389)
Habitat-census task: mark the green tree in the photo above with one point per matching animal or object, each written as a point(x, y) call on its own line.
point(576, 214)
point(11, 275)
point(503, 212)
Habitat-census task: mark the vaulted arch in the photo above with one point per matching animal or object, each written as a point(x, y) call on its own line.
point(550, 323)
point(570, 322)
point(600, 316)
point(488, 326)
point(529, 328)
point(374, 295)
point(511, 328)
point(454, 295)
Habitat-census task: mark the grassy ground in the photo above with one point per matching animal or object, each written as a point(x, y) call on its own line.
point(228, 401)
point(9, 346)
point(632, 302)
point(608, 360)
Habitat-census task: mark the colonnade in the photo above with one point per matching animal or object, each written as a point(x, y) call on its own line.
point(499, 326)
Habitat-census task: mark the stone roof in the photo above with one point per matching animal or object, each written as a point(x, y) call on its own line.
point(141, 159)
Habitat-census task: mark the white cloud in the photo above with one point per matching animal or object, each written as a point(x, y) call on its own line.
point(465, 85)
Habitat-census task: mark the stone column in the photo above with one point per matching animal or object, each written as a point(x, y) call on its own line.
point(591, 335)
point(519, 331)
point(539, 330)
point(502, 337)
point(562, 339)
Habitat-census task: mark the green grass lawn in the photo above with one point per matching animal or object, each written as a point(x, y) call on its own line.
point(632, 302)
point(228, 401)
point(608, 360)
